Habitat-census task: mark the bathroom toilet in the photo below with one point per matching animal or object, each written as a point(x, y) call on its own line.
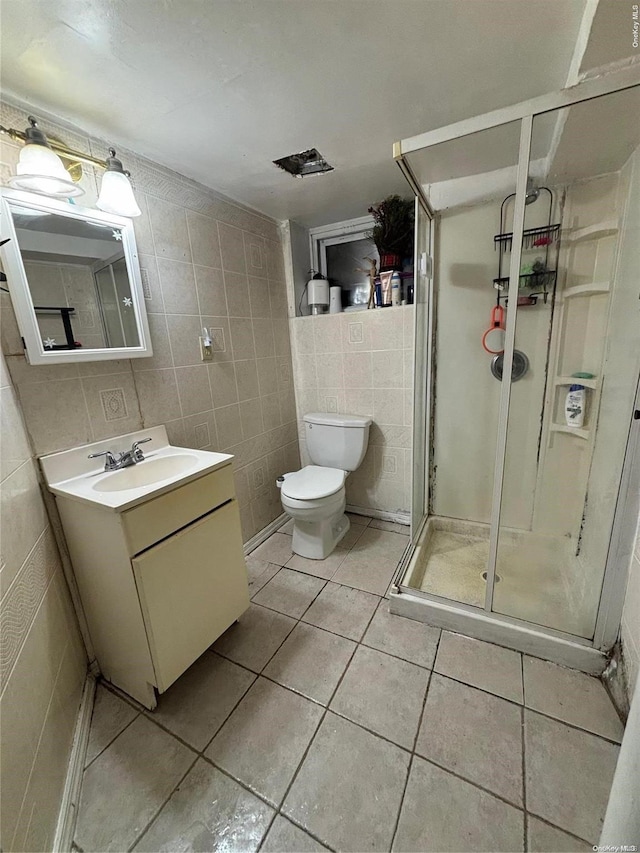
point(315, 496)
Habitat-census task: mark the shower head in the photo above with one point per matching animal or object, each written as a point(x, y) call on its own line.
point(532, 195)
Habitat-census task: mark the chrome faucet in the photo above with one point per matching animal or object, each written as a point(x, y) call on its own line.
point(124, 459)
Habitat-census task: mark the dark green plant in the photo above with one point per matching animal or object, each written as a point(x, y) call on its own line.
point(393, 229)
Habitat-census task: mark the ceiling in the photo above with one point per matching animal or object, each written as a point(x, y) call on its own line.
point(217, 89)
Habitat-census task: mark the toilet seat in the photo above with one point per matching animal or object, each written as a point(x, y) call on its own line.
point(312, 483)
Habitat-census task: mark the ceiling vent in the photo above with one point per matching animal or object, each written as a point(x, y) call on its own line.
point(309, 162)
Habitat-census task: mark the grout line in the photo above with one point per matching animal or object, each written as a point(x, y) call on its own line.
point(561, 829)
point(470, 782)
point(115, 737)
point(413, 748)
point(525, 846)
point(320, 722)
point(157, 814)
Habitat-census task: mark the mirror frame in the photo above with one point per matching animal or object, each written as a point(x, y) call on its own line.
point(18, 285)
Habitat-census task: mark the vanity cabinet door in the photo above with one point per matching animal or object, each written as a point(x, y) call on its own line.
point(192, 586)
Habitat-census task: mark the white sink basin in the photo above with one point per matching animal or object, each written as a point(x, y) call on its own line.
point(147, 473)
point(76, 474)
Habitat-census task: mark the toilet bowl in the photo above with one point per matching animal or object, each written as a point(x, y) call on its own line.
point(315, 496)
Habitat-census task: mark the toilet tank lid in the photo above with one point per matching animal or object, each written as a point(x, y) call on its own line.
point(337, 420)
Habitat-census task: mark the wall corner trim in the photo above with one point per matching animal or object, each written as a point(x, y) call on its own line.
point(71, 794)
point(251, 544)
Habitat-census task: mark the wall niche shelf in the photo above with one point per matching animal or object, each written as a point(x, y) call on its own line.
point(593, 232)
point(576, 380)
point(579, 433)
point(593, 288)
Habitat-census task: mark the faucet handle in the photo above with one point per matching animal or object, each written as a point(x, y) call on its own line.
point(138, 455)
point(109, 463)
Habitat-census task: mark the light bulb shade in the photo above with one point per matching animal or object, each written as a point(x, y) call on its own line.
point(116, 195)
point(40, 170)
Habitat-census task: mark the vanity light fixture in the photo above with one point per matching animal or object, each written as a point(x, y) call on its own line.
point(51, 168)
point(116, 192)
point(39, 168)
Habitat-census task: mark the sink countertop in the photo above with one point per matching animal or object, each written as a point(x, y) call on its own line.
point(70, 474)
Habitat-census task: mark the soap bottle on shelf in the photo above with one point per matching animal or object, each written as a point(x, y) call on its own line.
point(575, 402)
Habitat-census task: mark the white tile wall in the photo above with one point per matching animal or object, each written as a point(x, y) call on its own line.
point(43, 663)
point(361, 363)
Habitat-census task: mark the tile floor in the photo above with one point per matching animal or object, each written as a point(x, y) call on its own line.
point(321, 721)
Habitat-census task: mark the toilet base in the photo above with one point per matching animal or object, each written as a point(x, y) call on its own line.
point(315, 540)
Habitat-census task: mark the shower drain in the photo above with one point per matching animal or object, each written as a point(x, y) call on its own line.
point(484, 577)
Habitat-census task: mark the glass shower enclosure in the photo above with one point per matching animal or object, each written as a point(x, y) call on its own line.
point(526, 366)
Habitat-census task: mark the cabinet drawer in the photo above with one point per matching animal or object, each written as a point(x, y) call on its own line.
point(152, 521)
point(192, 587)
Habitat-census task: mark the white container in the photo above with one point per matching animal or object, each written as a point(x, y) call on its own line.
point(574, 406)
point(335, 300)
point(396, 289)
point(318, 295)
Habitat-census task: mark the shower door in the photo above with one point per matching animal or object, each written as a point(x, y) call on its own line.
point(423, 297)
point(535, 246)
point(562, 467)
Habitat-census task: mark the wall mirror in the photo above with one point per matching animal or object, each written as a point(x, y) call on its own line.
point(74, 280)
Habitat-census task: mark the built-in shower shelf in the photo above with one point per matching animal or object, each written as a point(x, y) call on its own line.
point(575, 380)
point(593, 232)
point(579, 433)
point(590, 289)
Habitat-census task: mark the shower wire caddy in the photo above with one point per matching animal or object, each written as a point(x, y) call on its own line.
point(539, 283)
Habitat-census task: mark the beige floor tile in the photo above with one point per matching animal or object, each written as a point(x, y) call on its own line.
point(285, 837)
point(569, 775)
point(441, 812)
point(254, 639)
point(199, 702)
point(319, 568)
point(473, 734)
point(390, 526)
point(342, 610)
point(348, 790)
point(289, 592)
point(570, 696)
point(383, 694)
point(404, 638)
point(372, 561)
point(287, 527)
point(350, 538)
point(276, 549)
point(492, 668)
point(263, 741)
point(127, 784)
point(547, 839)
point(208, 811)
point(259, 573)
point(311, 661)
point(110, 716)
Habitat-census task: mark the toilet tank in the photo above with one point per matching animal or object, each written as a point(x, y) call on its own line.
point(336, 441)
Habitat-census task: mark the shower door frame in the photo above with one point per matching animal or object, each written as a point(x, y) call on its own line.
point(484, 623)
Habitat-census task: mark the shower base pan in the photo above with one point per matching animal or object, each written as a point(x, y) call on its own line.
point(538, 600)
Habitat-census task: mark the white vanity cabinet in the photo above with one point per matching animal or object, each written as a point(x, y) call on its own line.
point(160, 581)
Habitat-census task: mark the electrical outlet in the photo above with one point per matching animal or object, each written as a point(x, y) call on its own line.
point(206, 351)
